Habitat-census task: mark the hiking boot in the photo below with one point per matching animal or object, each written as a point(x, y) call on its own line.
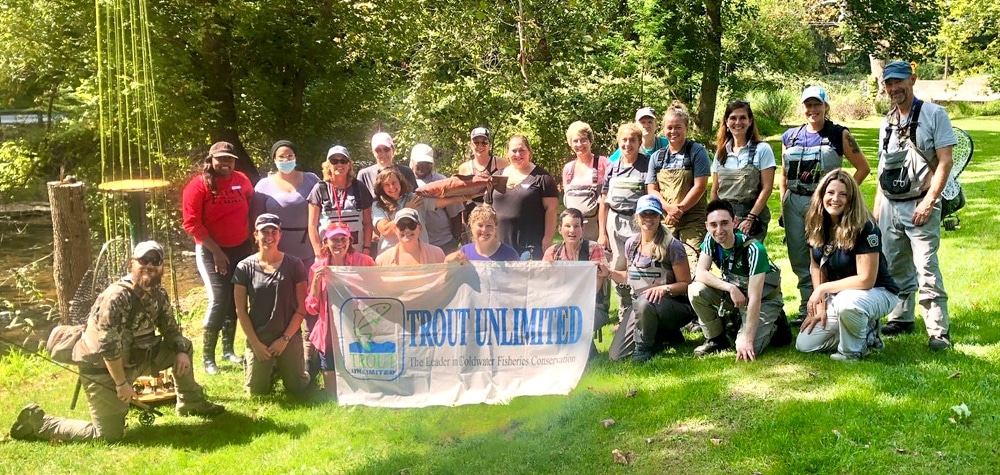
point(838, 356)
point(693, 327)
point(937, 343)
point(782, 333)
point(713, 345)
point(641, 355)
point(28, 424)
point(201, 408)
point(897, 328)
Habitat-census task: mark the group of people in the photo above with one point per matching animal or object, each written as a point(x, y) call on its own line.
point(645, 216)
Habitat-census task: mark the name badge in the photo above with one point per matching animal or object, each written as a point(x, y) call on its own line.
point(237, 187)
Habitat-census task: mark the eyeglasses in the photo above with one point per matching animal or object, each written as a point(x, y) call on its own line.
point(406, 225)
point(290, 156)
point(481, 143)
point(156, 261)
point(339, 161)
point(383, 149)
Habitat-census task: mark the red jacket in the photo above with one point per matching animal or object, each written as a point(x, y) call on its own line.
point(224, 215)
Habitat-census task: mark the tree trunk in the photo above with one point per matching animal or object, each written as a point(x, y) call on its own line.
point(219, 91)
point(70, 240)
point(705, 118)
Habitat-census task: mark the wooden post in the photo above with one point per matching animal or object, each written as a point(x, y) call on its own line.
point(70, 240)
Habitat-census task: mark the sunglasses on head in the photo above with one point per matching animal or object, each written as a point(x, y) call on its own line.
point(339, 161)
point(406, 225)
point(156, 261)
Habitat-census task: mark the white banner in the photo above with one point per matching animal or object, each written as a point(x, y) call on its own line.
point(452, 334)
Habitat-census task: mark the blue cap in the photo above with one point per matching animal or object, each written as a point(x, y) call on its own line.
point(648, 203)
point(897, 70)
point(814, 92)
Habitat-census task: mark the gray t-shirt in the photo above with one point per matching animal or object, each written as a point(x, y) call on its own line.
point(292, 208)
point(933, 131)
point(272, 295)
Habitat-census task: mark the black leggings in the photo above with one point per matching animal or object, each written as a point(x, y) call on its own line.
point(221, 305)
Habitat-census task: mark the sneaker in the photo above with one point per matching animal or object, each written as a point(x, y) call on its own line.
point(838, 356)
point(714, 345)
point(937, 343)
point(28, 424)
point(231, 357)
point(897, 328)
point(211, 368)
point(201, 408)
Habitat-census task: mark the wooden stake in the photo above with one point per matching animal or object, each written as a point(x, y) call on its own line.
point(70, 240)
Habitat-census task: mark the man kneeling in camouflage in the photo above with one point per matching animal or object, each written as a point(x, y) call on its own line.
point(120, 343)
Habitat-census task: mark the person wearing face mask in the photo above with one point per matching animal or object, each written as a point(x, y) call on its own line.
point(285, 194)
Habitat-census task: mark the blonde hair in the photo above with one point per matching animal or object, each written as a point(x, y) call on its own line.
point(579, 129)
point(483, 212)
point(820, 226)
point(661, 241)
point(328, 171)
point(676, 109)
point(629, 129)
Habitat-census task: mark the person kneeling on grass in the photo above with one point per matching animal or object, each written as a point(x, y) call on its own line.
point(336, 251)
point(118, 344)
point(275, 285)
point(750, 285)
point(659, 274)
point(852, 286)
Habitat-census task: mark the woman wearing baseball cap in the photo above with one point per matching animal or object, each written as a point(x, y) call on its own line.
point(410, 251)
point(340, 198)
point(216, 207)
point(659, 274)
point(270, 290)
point(808, 153)
point(336, 251)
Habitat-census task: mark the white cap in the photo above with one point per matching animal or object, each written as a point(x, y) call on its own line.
point(422, 152)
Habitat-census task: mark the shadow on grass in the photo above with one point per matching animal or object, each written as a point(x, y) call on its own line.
point(207, 435)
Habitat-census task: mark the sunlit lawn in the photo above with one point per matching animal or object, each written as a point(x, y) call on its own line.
point(786, 413)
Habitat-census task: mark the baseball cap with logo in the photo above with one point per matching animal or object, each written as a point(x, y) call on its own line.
point(480, 132)
point(267, 219)
point(338, 150)
point(814, 92)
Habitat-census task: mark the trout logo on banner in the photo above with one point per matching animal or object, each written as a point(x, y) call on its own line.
point(373, 339)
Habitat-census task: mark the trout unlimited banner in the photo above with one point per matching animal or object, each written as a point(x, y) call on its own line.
point(452, 334)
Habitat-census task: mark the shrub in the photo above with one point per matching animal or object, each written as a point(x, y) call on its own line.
point(771, 106)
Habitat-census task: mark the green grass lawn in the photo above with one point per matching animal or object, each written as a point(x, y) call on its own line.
point(785, 413)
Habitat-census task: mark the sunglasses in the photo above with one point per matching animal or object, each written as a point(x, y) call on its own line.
point(407, 225)
point(382, 149)
point(156, 261)
point(481, 143)
point(339, 161)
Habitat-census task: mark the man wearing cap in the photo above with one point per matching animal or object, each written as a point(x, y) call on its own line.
point(645, 118)
point(274, 284)
point(750, 286)
point(410, 251)
point(130, 331)
point(444, 225)
point(808, 153)
point(915, 145)
point(384, 150)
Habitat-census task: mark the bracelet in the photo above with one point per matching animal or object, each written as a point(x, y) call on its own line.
point(118, 385)
point(365, 248)
point(752, 216)
point(286, 338)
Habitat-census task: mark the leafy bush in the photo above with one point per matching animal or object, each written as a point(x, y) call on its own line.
point(771, 107)
point(973, 109)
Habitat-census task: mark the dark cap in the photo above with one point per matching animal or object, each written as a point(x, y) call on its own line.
point(222, 149)
point(267, 219)
point(279, 144)
point(897, 70)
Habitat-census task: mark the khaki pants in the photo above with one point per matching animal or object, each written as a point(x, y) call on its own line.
point(290, 365)
point(707, 302)
point(852, 317)
point(107, 412)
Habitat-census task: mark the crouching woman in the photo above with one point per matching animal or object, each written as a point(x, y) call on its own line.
point(852, 286)
point(274, 284)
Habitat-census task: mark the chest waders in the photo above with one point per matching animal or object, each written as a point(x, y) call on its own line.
point(741, 187)
point(675, 184)
point(903, 172)
point(586, 199)
point(805, 167)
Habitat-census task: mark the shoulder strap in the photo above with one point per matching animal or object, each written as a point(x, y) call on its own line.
point(584, 254)
point(632, 250)
point(914, 120)
point(688, 146)
point(795, 137)
point(557, 254)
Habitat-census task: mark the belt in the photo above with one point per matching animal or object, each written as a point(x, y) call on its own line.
point(94, 370)
point(904, 200)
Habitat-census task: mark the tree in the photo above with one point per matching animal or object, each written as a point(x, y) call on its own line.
point(969, 39)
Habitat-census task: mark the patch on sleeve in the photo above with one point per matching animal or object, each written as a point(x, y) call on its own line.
point(873, 240)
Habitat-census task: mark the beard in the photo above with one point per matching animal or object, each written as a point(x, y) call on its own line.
point(148, 279)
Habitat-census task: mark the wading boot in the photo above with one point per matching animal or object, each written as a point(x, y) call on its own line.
point(714, 345)
point(28, 424)
point(201, 408)
point(208, 349)
point(228, 340)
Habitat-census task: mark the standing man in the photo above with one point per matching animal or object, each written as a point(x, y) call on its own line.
point(119, 343)
point(915, 145)
point(645, 118)
point(384, 150)
point(444, 226)
point(750, 285)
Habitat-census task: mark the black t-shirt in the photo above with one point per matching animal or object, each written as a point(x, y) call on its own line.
point(521, 214)
point(840, 263)
point(830, 131)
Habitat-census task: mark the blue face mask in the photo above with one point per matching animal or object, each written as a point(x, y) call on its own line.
point(285, 167)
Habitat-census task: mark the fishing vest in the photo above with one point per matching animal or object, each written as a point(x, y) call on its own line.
point(805, 167)
point(903, 171)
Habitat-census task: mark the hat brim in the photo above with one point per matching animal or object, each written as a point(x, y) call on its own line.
point(648, 208)
point(224, 154)
point(896, 76)
point(265, 225)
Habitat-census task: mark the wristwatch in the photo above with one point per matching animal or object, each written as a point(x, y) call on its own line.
point(286, 338)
